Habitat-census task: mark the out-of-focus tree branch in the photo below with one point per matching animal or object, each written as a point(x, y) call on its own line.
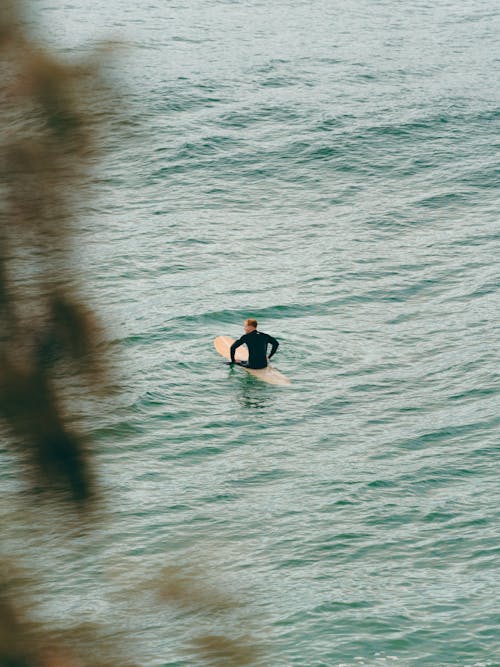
point(50, 114)
point(49, 141)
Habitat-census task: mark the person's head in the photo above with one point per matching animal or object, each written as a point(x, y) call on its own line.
point(250, 325)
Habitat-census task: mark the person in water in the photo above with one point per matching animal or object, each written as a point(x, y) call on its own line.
point(256, 342)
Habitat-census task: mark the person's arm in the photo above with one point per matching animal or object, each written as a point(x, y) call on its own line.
point(274, 345)
point(236, 344)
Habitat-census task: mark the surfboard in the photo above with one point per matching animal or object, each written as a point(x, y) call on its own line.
point(268, 374)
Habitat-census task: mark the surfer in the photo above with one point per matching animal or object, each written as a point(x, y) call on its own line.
point(256, 342)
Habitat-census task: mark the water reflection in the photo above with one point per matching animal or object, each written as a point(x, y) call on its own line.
point(254, 394)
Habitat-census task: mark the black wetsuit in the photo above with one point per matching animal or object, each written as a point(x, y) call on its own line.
point(257, 343)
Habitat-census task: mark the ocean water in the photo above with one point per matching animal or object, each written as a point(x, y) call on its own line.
point(330, 168)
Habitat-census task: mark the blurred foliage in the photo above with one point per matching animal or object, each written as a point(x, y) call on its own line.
point(47, 146)
point(51, 115)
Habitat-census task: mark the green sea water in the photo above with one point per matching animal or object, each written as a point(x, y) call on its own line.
point(330, 168)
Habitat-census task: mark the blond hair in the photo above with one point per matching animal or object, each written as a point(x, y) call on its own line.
point(251, 322)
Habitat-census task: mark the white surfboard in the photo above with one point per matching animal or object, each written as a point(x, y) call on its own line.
point(268, 374)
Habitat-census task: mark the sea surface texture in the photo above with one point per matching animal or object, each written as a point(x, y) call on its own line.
point(330, 168)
